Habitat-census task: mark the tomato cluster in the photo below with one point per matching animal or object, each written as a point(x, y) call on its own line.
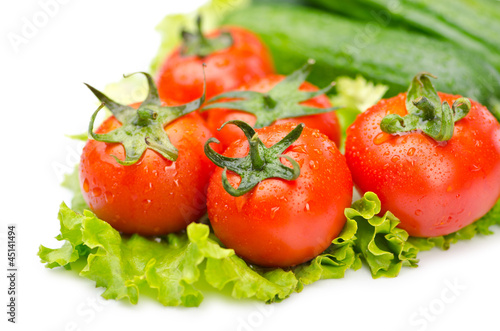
point(279, 190)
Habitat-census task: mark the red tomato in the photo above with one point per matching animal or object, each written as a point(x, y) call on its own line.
point(433, 188)
point(153, 196)
point(284, 223)
point(180, 79)
point(326, 123)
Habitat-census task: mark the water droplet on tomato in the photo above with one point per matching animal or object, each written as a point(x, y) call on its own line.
point(146, 203)
point(475, 168)
point(240, 202)
point(411, 151)
point(418, 212)
point(109, 197)
point(307, 208)
point(86, 185)
point(458, 196)
point(395, 158)
point(170, 166)
point(274, 210)
point(317, 151)
point(381, 138)
point(223, 62)
point(176, 182)
point(299, 149)
point(313, 164)
point(97, 192)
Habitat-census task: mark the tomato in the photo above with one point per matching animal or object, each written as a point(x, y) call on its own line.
point(246, 58)
point(283, 223)
point(154, 195)
point(434, 188)
point(326, 123)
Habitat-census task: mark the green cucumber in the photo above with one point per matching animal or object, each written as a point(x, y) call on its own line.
point(473, 24)
point(345, 47)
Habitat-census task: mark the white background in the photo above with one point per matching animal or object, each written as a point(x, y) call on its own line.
point(43, 99)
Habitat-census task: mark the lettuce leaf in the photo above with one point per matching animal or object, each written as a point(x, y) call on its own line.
point(127, 90)
point(178, 266)
point(357, 93)
point(171, 267)
point(72, 182)
point(382, 245)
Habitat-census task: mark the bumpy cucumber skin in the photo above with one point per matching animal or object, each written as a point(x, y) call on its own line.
point(344, 47)
point(472, 24)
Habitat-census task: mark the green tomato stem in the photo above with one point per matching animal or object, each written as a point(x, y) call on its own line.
point(261, 162)
point(426, 112)
point(197, 44)
point(142, 128)
point(282, 101)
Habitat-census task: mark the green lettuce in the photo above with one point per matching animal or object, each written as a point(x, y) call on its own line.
point(178, 267)
point(128, 90)
point(357, 93)
point(382, 245)
point(171, 266)
point(72, 182)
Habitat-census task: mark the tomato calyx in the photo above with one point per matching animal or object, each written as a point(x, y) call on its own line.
point(142, 128)
point(261, 162)
point(198, 44)
point(426, 112)
point(282, 101)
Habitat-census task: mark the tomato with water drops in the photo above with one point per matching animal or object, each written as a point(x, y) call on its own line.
point(285, 217)
point(452, 180)
point(153, 191)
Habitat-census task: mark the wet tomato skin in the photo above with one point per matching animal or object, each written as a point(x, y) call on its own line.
point(326, 123)
point(180, 79)
point(282, 223)
point(434, 188)
point(154, 196)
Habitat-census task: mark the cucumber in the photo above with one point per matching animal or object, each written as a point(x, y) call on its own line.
point(345, 47)
point(473, 24)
